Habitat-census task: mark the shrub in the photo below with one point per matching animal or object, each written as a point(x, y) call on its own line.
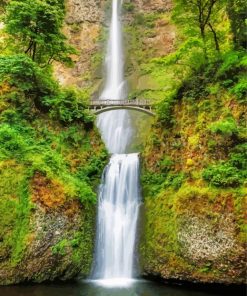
point(165, 112)
point(129, 7)
point(240, 88)
point(175, 180)
point(225, 127)
point(238, 157)
point(20, 71)
point(68, 106)
point(166, 164)
point(222, 175)
point(12, 143)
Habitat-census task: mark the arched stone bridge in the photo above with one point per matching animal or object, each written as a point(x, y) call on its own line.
point(100, 106)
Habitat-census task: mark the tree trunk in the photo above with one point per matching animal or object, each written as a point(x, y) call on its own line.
point(216, 41)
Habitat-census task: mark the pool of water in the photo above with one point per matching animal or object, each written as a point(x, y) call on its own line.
point(94, 288)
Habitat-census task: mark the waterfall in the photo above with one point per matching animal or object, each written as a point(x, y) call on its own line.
point(119, 197)
point(115, 126)
point(117, 218)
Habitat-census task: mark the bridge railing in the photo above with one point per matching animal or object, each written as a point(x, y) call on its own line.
point(137, 102)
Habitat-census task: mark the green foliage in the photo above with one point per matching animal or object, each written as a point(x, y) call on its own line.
point(237, 11)
point(232, 73)
point(69, 106)
point(200, 17)
point(188, 55)
point(40, 88)
point(240, 89)
point(166, 164)
point(175, 181)
point(232, 62)
point(165, 112)
point(36, 26)
point(222, 175)
point(92, 171)
point(20, 71)
point(13, 145)
point(128, 7)
point(152, 183)
point(225, 127)
point(231, 173)
point(238, 157)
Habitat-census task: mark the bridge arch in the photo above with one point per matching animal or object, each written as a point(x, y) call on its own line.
point(101, 106)
point(111, 108)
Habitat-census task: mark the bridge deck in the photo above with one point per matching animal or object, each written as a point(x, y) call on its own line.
point(103, 103)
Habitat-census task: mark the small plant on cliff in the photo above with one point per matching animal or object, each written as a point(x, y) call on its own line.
point(222, 175)
point(231, 173)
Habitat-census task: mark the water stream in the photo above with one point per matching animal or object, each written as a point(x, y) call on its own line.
point(119, 196)
point(115, 126)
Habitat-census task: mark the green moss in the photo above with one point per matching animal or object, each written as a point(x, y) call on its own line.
point(60, 247)
point(83, 242)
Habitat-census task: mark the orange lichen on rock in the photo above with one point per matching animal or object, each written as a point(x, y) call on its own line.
point(46, 192)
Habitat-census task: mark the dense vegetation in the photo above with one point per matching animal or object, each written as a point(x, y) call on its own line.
point(190, 59)
point(50, 155)
point(194, 165)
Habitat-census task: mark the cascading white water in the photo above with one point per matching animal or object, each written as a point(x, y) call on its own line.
point(115, 126)
point(119, 197)
point(117, 217)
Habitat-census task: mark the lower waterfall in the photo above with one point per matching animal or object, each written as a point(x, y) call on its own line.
point(118, 209)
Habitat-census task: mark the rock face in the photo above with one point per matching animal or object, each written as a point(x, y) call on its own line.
point(83, 27)
point(80, 11)
point(154, 5)
point(198, 250)
point(59, 239)
point(193, 231)
point(149, 34)
point(86, 24)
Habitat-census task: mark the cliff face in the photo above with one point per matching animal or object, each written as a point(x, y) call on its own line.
point(83, 27)
point(193, 230)
point(57, 243)
point(47, 203)
point(147, 33)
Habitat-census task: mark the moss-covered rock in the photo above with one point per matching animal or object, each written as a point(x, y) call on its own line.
point(194, 194)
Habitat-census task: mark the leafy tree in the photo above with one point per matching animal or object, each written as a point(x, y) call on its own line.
point(36, 26)
point(237, 11)
point(199, 13)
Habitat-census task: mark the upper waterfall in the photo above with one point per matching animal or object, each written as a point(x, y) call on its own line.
point(115, 126)
point(115, 86)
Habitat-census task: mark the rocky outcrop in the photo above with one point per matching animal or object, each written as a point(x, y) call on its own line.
point(193, 231)
point(83, 27)
point(58, 240)
point(154, 5)
point(79, 11)
point(193, 246)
